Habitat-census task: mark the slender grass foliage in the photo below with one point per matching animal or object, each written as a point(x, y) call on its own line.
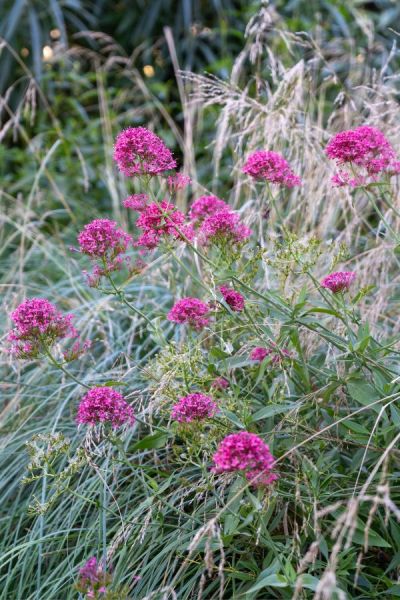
point(233, 430)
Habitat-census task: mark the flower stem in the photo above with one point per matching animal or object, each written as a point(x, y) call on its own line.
point(55, 362)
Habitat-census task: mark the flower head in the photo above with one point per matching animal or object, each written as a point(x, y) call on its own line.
point(90, 570)
point(194, 407)
point(259, 353)
point(272, 167)
point(191, 311)
point(205, 206)
point(248, 453)
point(104, 405)
point(367, 151)
point(339, 281)
point(277, 355)
point(178, 181)
point(93, 579)
point(159, 222)
point(104, 241)
point(102, 237)
point(233, 298)
point(38, 324)
point(137, 202)
point(220, 383)
point(223, 227)
point(138, 151)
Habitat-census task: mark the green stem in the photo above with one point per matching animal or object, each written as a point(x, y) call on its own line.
point(62, 368)
point(377, 209)
point(104, 502)
point(121, 296)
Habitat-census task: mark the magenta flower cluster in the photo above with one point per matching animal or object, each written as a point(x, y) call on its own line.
point(271, 166)
point(259, 353)
point(220, 383)
point(248, 453)
point(136, 202)
point(138, 151)
point(339, 281)
point(205, 206)
point(191, 311)
point(103, 241)
point(38, 324)
point(159, 222)
point(223, 227)
point(101, 237)
point(177, 182)
point(92, 578)
point(233, 298)
point(367, 152)
point(194, 407)
point(104, 405)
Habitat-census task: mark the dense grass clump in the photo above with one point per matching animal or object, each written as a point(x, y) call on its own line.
point(201, 376)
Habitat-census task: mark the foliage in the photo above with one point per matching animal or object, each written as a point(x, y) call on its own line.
point(144, 499)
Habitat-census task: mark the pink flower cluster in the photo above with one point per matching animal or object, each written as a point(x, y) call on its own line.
point(101, 237)
point(216, 222)
point(159, 222)
point(104, 241)
point(39, 324)
point(104, 405)
point(339, 281)
point(368, 153)
point(177, 182)
point(245, 452)
point(205, 206)
point(277, 355)
point(223, 227)
point(194, 407)
point(136, 202)
point(233, 298)
point(92, 579)
point(191, 311)
point(138, 151)
point(272, 167)
point(220, 383)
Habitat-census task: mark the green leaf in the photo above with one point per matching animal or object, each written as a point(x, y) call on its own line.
point(113, 383)
point(354, 426)
point(363, 393)
point(272, 410)
point(232, 518)
point(393, 591)
point(374, 539)
point(320, 309)
point(310, 582)
point(269, 581)
point(233, 418)
point(155, 440)
point(218, 353)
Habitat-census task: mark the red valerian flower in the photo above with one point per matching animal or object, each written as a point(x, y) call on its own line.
point(160, 221)
point(223, 227)
point(277, 355)
point(339, 281)
point(272, 167)
point(248, 453)
point(191, 311)
point(39, 325)
point(177, 182)
point(233, 298)
point(205, 206)
point(103, 241)
point(139, 151)
point(104, 405)
point(194, 407)
point(367, 152)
